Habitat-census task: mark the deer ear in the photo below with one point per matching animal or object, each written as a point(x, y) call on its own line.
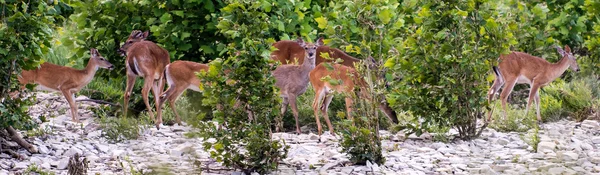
point(145, 34)
point(300, 41)
point(560, 51)
point(320, 41)
point(134, 33)
point(567, 49)
point(93, 52)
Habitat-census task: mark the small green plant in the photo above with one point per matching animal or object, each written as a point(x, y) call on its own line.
point(533, 139)
point(121, 128)
point(34, 169)
point(132, 169)
point(516, 158)
point(515, 120)
point(40, 132)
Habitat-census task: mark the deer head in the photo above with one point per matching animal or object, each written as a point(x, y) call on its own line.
point(99, 60)
point(310, 48)
point(134, 37)
point(566, 54)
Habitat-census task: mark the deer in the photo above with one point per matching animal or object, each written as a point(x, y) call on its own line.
point(292, 80)
point(522, 68)
point(67, 80)
point(350, 79)
point(147, 60)
point(181, 75)
point(289, 51)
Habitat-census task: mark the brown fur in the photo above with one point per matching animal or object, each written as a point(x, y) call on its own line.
point(151, 60)
point(292, 80)
point(323, 89)
point(63, 79)
point(536, 72)
point(180, 76)
point(289, 52)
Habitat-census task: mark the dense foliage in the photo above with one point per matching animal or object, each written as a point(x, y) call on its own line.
point(25, 31)
point(364, 28)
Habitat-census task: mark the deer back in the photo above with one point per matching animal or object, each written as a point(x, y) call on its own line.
point(288, 52)
point(335, 54)
point(345, 78)
point(147, 58)
point(184, 71)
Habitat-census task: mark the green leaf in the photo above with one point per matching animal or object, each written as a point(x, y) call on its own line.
point(185, 35)
point(322, 22)
point(166, 17)
point(280, 26)
point(385, 16)
point(178, 13)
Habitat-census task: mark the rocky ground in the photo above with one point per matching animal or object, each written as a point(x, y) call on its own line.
point(565, 148)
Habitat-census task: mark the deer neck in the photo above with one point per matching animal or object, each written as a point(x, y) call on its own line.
point(558, 68)
point(90, 70)
point(308, 65)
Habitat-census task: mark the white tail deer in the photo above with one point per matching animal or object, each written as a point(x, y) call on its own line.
point(63, 79)
point(181, 75)
point(349, 80)
point(289, 52)
point(520, 68)
point(292, 80)
point(148, 60)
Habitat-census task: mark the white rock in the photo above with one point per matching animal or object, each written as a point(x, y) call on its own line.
point(94, 134)
point(501, 168)
point(63, 163)
point(545, 146)
point(72, 152)
point(502, 141)
point(116, 153)
point(596, 140)
point(437, 145)
point(586, 146)
point(567, 155)
point(21, 165)
point(101, 147)
point(556, 170)
point(312, 136)
point(446, 150)
point(43, 149)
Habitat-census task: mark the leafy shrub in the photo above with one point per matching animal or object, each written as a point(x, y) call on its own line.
point(446, 55)
point(245, 77)
point(361, 143)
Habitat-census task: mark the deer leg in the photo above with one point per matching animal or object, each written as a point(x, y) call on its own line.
point(325, 108)
point(316, 104)
point(504, 95)
point(284, 105)
point(128, 89)
point(156, 93)
point(389, 112)
point(498, 83)
point(349, 104)
point(532, 94)
point(292, 100)
point(172, 100)
point(69, 96)
point(537, 103)
point(148, 81)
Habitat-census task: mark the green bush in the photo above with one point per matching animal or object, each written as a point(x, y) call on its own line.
point(445, 57)
point(25, 35)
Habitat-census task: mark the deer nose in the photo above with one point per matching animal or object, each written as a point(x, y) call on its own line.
point(310, 54)
point(111, 67)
